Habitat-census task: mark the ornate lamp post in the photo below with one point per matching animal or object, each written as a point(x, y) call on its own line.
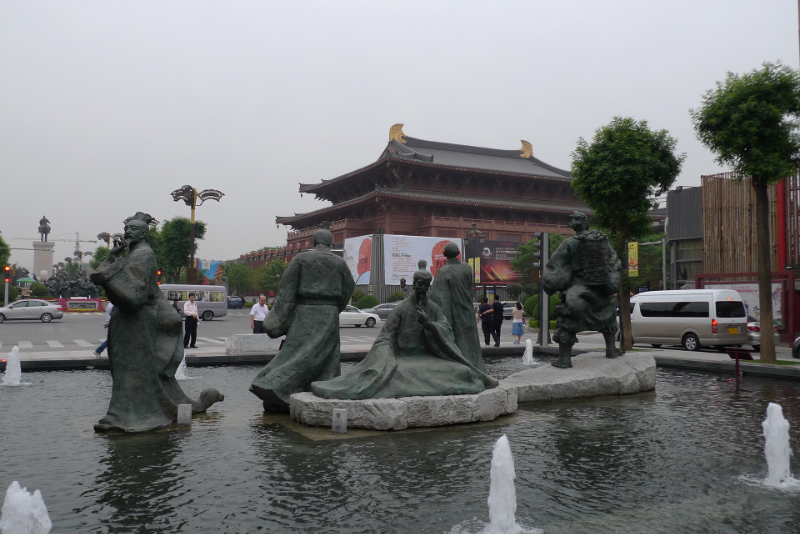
point(190, 196)
point(474, 237)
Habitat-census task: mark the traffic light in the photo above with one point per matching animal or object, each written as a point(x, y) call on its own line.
point(7, 273)
point(542, 253)
point(159, 276)
point(542, 250)
point(402, 283)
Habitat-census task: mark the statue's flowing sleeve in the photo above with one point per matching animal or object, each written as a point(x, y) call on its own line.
point(558, 271)
point(281, 316)
point(126, 280)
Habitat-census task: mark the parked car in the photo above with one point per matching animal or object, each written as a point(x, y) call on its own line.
point(355, 317)
point(382, 310)
point(31, 309)
point(508, 307)
point(754, 333)
point(691, 318)
point(235, 302)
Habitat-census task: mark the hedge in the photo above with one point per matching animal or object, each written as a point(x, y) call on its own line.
point(367, 302)
point(357, 295)
point(397, 295)
point(531, 306)
point(39, 290)
point(534, 323)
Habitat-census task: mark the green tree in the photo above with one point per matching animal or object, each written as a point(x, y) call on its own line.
point(396, 296)
point(617, 175)
point(39, 291)
point(357, 294)
point(172, 245)
point(100, 255)
point(367, 301)
point(524, 260)
point(5, 252)
point(513, 291)
point(240, 277)
point(271, 273)
point(750, 122)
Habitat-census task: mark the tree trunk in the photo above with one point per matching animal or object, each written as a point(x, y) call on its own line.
point(764, 273)
point(623, 294)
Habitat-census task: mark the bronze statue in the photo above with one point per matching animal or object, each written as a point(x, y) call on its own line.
point(585, 272)
point(452, 291)
point(415, 354)
point(44, 228)
point(314, 289)
point(145, 344)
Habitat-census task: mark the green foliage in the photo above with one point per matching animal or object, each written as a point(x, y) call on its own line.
point(72, 268)
point(13, 293)
point(250, 304)
point(172, 245)
point(397, 295)
point(513, 291)
point(5, 252)
point(39, 291)
point(524, 260)
point(750, 122)
point(531, 306)
point(649, 264)
point(357, 294)
point(621, 170)
point(240, 278)
point(534, 323)
point(100, 255)
point(270, 275)
point(367, 301)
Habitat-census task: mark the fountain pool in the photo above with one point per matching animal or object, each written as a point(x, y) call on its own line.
point(666, 461)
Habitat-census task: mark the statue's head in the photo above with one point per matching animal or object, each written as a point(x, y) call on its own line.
point(138, 226)
point(451, 251)
point(579, 221)
point(323, 236)
point(422, 281)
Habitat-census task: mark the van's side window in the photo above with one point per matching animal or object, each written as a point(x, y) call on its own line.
point(674, 309)
point(730, 308)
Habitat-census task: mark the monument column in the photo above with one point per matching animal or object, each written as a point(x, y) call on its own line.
point(43, 259)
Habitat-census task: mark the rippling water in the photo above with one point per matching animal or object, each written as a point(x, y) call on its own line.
point(668, 461)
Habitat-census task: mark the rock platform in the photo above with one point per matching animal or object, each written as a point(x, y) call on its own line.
point(252, 344)
point(592, 375)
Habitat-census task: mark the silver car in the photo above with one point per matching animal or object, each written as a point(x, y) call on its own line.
point(31, 309)
point(382, 310)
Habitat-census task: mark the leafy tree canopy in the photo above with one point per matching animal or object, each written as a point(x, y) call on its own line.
point(621, 170)
point(239, 277)
point(172, 245)
point(5, 252)
point(751, 122)
point(524, 260)
point(100, 255)
point(271, 274)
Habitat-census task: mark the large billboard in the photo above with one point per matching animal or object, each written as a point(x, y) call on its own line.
point(358, 255)
point(208, 268)
point(491, 262)
point(749, 293)
point(401, 254)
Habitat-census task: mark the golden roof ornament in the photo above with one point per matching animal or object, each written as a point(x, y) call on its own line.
point(396, 133)
point(527, 150)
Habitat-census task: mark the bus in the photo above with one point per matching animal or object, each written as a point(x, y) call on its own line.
point(212, 301)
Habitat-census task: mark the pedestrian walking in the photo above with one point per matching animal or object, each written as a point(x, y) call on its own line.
point(258, 314)
point(518, 322)
point(485, 314)
point(190, 311)
point(98, 352)
point(497, 319)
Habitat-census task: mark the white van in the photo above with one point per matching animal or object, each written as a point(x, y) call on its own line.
point(692, 318)
point(212, 301)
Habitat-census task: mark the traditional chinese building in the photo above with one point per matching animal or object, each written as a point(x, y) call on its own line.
point(429, 188)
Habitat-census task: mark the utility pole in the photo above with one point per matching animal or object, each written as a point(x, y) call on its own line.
point(543, 255)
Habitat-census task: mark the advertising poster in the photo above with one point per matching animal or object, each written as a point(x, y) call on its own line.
point(358, 255)
point(401, 253)
point(494, 263)
point(208, 269)
point(633, 259)
point(749, 293)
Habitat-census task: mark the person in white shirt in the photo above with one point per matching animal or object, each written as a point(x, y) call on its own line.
point(190, 311)
point(99, 350)
point(258, 314)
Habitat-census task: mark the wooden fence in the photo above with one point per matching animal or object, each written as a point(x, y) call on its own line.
point(729, 225)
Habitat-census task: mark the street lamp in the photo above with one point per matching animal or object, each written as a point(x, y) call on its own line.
point(190, 196)
point(474, 237)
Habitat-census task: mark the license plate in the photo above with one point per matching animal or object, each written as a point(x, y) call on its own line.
point(733, 329)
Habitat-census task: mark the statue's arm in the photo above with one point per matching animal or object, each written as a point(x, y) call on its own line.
point(348, 285)
point(280, 317)
point(127, 280)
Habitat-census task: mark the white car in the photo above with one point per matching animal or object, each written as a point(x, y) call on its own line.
point(352, 316)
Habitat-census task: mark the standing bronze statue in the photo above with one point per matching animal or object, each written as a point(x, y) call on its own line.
point(44, 228)
point(314, 289)
point(585, 272)
point(415, 354)
point(452, 291)
point(145, 345)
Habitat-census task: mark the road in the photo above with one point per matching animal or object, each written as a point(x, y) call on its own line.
point(84, 332)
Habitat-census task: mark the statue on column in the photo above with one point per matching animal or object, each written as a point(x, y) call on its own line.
point(44, 228)
point(584, 271)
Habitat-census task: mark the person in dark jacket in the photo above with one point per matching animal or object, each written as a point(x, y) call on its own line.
point(485, 313)
point(497, 319)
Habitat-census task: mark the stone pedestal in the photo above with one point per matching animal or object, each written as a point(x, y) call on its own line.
point(243, 344)
point(42, 259)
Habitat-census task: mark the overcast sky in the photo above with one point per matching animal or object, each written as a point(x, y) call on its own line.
point(107, 107)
